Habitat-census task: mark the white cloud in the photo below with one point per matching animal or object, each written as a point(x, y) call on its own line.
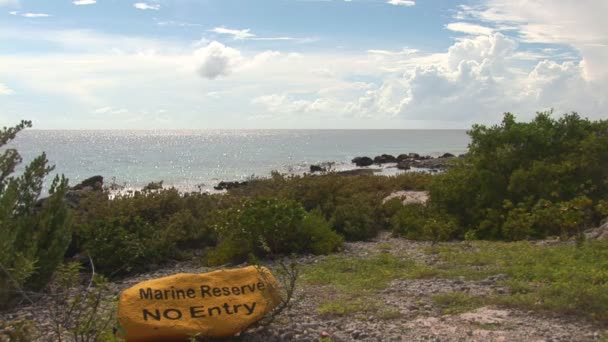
point(246, 34)
point(581, 25)
point(474, 80)
point(216, 60)
point(84, 2)
point(4, 90)
point(284, 104)
point(403, 52)
point(407, 3)
point(35, 15)
point(177, 23)
point(146, 6)
point(469, 28)
point(236, 34)
point(13, 12)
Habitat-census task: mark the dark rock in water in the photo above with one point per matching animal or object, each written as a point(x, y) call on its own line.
point(413, 155)
point(92, 185)
point(363, 161)
point(385, 158)
point(229, 185)
point(402, 157)
point(95, 183)
point(447, 155)
point(317, 168)
point(153, 186)
point(404, 165)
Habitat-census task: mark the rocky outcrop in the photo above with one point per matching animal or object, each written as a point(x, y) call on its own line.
point(404, 165)
point(229, 185)
point(384, 159)
point(83, 189)
point(408, 197)
point(408, 161)
point(363, 161)
point(317, 168)
point(433, 163)
point(599, 233)
point(94, 183)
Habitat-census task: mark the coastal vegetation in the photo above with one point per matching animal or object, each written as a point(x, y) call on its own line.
point(519, 181)
point(34, 235)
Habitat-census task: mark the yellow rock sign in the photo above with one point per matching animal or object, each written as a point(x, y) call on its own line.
point(215, 304)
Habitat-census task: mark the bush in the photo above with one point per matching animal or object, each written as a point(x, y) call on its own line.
point(265, 226)
point(34, 234)
point(129, 233)
point(517, 175)
point(419, 222)
point(409, 221)
point(355, 219)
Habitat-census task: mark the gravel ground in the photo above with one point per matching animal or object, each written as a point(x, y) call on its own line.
point(419, 319)
point(415, 316)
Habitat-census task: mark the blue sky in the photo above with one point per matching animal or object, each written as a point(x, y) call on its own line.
point(171, 64)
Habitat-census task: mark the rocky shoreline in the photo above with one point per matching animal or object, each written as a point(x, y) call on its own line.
point(361, 166)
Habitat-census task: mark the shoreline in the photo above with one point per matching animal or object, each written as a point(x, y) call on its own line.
point(430, 164)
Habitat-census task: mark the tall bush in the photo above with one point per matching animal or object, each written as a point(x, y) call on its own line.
point(34, 234)
point(132, 233)
point(514, 169)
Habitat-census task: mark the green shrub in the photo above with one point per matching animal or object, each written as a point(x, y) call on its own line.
point(409, 221)
point(129, 233)
point(355, 219)
point(538, 169)
point(317, 231)
point(34, 235)
point(388, 211)
point(419, 222)
point(267, 226)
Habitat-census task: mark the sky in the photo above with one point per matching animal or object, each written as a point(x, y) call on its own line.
point(347, 64)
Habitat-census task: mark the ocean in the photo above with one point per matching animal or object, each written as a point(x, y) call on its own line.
point(198, 159)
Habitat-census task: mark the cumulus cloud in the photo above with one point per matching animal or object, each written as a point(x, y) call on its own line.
point(490, 70)
point(216, 60)
point(404, 52)
point(581, 25)
point(407, 3)
point(84, 2)
point(476, 79)
point(4, 90)
point(146, 6)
